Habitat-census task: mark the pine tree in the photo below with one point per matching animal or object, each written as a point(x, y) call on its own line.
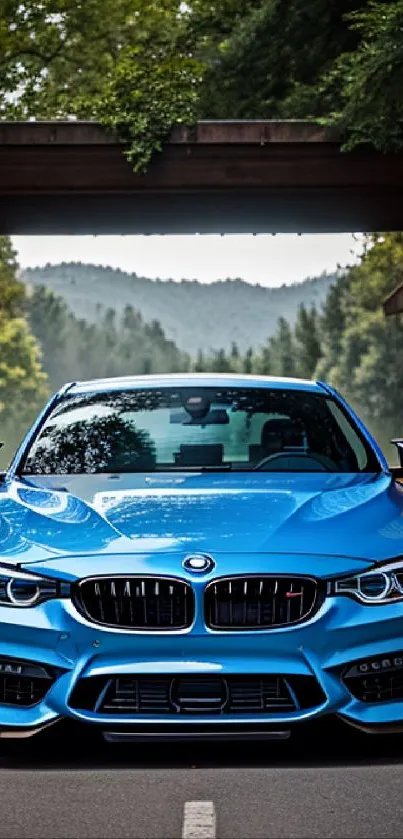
point(248, 362)
point(282, 350)
point(220, 363)
point(307, 342)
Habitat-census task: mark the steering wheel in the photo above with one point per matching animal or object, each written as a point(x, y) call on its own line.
point(324, 462)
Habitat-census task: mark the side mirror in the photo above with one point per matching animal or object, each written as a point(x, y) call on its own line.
point(398, 442)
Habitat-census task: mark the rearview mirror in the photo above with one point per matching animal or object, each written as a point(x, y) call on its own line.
point(218, 416)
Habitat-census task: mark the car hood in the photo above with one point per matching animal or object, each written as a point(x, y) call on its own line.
point(358, 516)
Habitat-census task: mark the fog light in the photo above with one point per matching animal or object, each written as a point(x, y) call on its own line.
point(380, 664)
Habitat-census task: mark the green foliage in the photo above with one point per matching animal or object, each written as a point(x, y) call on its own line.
point(12, 292)
point(331, 327)
point(57, 56)
point(283, 350)
point(271, 61)
point(307, 342)
point(23, 385)
point(219, 363)
point(124, 62)
point(143, 66)
point(53, 51)
point(339, 61)
point(142, 121)
point(248, 363)
point(365, 359)
point(370, 79)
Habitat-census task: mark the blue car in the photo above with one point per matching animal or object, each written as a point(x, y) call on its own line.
point(200, 556)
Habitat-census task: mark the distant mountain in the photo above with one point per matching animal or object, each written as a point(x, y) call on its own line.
point(194, 315)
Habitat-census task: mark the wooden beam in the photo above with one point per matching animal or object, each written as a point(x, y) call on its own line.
point(219, 177)
point(393, 305)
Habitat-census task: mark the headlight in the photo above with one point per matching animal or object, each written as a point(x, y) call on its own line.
point(18, 588)
point(383, 585)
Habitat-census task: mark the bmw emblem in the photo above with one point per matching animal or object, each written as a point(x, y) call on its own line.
point(198, 563)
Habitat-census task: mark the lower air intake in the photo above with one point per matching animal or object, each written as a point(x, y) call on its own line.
point(376, 679)
point(193, 695)
point(22, 683)
point(382, 687)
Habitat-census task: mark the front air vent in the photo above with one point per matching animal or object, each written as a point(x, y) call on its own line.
point(375, 688)
point(143, 603)
point(260, 602)
point(186, 695)
point(23, 683)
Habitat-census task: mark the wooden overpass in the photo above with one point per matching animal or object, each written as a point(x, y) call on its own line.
point(220, 177)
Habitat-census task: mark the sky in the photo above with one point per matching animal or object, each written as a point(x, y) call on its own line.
point(265, 259)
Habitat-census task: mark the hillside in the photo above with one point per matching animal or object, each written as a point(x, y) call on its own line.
point(194, 315)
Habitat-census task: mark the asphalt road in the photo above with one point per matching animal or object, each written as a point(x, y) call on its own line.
point(319, 784)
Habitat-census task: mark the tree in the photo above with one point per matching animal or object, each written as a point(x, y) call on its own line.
point(364, 360)
point(125, 62)
point(248, 362)
point(264, 362)
point(23, 389)
point(331, 327)
point(337, 60)
point(50, 322)
point(282, 350)
point(74, 349)
point(285, 48)
point(12, 292)
point(23, 385)
point(234, 355)
point(142, 66)
point(220, 363)
point(307, 342)
point(368, 105)
point(200, 364)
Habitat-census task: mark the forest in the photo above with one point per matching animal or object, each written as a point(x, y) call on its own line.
point(142, 66)
point(345, 340)
point(197, 316)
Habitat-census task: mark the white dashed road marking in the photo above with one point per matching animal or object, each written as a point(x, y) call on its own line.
point(199, 820)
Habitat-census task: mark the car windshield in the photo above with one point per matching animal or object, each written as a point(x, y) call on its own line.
point(198, 429)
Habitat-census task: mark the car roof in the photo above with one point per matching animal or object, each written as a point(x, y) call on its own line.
point(176, 380)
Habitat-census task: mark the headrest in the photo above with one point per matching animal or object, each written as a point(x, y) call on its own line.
point(286, 429)
point(200, 455)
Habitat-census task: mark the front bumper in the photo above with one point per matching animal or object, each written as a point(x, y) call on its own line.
point(342, 632)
